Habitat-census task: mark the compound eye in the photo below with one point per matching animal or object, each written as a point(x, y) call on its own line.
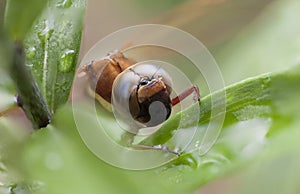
point(144, 82)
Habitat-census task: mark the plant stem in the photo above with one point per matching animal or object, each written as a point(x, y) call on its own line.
point(29, 96)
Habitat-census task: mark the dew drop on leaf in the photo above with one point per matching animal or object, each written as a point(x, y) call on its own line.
point(29, 65)
point(64, 4)
point(66, 61)
point(31, 52)
point(46, 33)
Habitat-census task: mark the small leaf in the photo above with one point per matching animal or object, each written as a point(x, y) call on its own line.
point(52, 48)
point(20, 16)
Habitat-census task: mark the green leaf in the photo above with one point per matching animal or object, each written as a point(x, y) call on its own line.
point(252, 98)
point(29, 96)
point(20, 16)
point(52, 48)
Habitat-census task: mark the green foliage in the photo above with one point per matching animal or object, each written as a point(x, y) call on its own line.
point(52, 48)
point(22, 25)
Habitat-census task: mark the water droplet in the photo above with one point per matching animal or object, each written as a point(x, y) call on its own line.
point(46, 33)
point(29, 65)
point(64, 4)
point(176, 179)
point(197, 144)
point(66, 61)
point(30, 52)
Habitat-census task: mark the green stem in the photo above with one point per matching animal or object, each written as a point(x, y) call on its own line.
point(29, 96)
